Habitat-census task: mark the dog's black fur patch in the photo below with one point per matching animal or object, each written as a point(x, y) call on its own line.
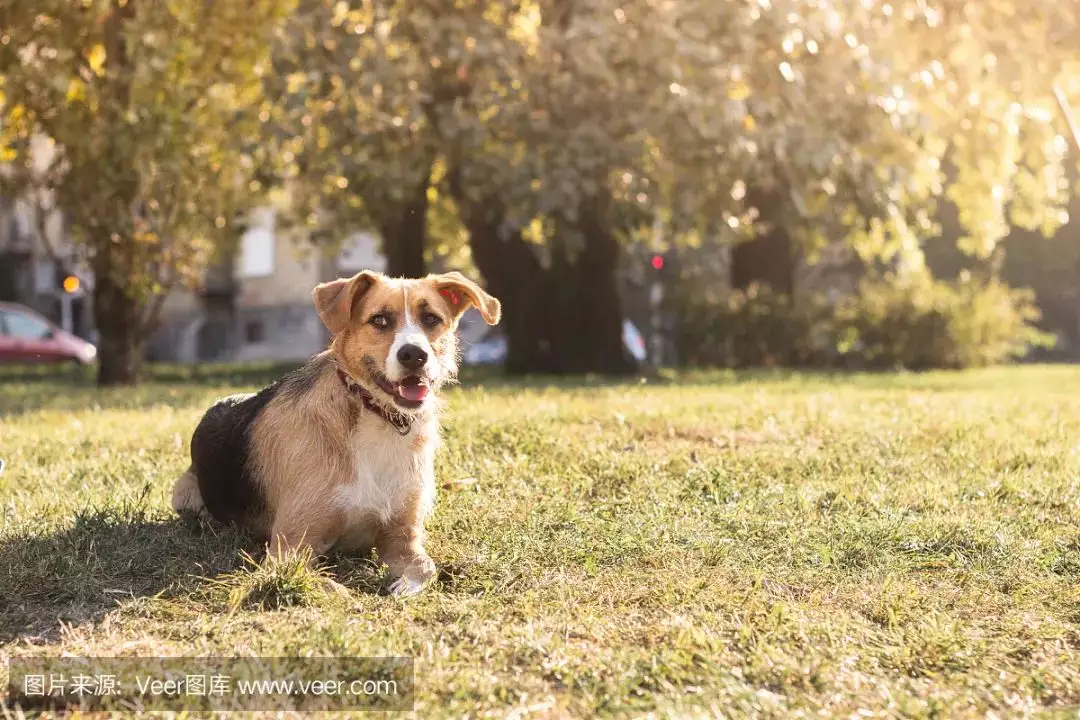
point(220, 452)
point(221, 447)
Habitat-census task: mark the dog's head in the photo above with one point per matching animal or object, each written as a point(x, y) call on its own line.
point(396, 337)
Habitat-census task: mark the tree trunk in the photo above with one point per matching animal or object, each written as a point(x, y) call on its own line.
point(768, 259)
point(405, 236)
point(587, 328)
point(119, 323)
point(116, 315)
point(514, 275)
point(558, 319)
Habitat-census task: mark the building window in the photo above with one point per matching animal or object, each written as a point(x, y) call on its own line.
point(45, 277)
point(254, 332)
point(256, 253)
point(24, 229)
point(360, 251)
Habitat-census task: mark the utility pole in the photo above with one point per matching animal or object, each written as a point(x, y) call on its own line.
point(71, 290)
point(1074, 132)
point(656, 297)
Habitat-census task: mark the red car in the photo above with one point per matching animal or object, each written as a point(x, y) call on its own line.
point(27, 337)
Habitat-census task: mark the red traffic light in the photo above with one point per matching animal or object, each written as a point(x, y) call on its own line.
point(657, 262)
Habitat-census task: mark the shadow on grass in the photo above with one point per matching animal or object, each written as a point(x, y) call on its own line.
point(77, 574)
point(257, 374)
point(207, 374)
point(32, 389)
point(45, 397)
point(493, 379)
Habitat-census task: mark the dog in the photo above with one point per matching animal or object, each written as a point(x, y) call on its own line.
point(340, 453)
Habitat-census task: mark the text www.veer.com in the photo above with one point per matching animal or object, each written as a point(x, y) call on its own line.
point(316, 687)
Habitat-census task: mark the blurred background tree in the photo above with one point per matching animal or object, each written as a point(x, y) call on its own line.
point(542, 141)
point(134, 118)
point(564, 130)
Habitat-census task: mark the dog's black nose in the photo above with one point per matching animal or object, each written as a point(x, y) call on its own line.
point(411, 356)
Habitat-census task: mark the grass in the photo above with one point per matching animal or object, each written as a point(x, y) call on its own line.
point(755, 544)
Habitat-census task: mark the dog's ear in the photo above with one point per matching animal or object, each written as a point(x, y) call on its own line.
point(459, 292)
point(336, 300)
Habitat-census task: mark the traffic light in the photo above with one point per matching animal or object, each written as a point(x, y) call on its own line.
point(661, 265)
point(67, 281)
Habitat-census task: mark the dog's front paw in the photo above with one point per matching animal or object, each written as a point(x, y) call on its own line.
point(404, 587)
point(415, 578)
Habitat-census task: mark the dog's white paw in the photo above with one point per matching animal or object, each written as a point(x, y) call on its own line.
point(405, 586)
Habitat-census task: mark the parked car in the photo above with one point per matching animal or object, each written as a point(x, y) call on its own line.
point(27, 337)
point(492, 348)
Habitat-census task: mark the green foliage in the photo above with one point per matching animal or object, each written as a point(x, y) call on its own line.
point(915, 323)
point(922, 323)
point(135, 120)
point(756, 327)
point(276, 582)
point(849, 113)
point(348, 117)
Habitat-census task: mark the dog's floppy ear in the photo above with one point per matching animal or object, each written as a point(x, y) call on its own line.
point(336, 299)
point(460, 291)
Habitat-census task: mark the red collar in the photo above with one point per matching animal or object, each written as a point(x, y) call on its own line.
point(399, 421)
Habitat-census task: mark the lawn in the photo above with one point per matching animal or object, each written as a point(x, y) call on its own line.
point(752, 545)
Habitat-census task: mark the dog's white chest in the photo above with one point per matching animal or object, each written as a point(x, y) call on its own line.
point(389, 471)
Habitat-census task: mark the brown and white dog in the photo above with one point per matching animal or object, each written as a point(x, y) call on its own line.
point(340, 453)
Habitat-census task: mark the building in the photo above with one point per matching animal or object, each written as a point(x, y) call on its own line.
point(257, 305)
point(254, 306)
point(32, 272)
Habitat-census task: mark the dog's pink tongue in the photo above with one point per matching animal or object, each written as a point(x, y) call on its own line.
point(414, 393)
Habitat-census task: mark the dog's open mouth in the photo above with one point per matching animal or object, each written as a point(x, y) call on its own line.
point(409, 392)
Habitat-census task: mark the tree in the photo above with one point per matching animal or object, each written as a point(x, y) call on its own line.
point(149, 111)
point(890, 96)
point(550, 158)
point(567, 129)
point(397, 108)
point(357, 85)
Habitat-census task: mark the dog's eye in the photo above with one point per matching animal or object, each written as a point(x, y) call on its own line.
point(380, 321)
point(430, 319)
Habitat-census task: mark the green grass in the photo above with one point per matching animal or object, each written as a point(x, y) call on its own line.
point(761, 544)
